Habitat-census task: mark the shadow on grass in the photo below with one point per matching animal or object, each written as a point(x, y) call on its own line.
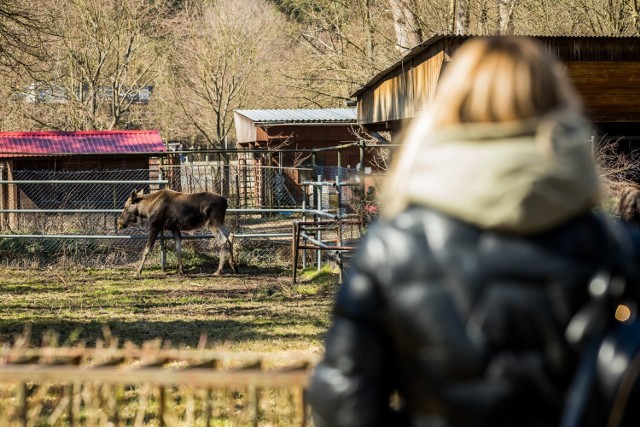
point(256, 308)
point(187, 333)
point(208, 266)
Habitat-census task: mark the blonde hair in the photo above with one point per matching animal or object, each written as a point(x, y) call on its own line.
point(490, 80)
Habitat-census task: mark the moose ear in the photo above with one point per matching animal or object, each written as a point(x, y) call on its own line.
point(135, 196)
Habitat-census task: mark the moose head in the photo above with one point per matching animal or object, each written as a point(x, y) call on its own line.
point(130, 212)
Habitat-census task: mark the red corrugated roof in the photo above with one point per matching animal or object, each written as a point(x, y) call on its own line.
point(16, 144)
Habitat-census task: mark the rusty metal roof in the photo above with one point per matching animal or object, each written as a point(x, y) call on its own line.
point(318, 115)
point(17, 144)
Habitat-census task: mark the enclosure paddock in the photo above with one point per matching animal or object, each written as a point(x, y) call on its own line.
point(78, 209)
point(142, 386)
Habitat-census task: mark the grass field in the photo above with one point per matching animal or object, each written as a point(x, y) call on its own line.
point(257, 310)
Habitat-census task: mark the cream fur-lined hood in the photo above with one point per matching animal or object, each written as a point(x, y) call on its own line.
point(521, 177)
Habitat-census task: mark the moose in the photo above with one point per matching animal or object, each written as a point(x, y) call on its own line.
point(629, 203)
point(174, 211)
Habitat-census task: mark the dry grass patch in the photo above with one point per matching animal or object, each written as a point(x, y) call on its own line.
point(257, 310)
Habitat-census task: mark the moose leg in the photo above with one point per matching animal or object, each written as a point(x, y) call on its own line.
point(153, 235)
point(229, 241)
point(216, 232)
point(177, 237)
point(222, 237)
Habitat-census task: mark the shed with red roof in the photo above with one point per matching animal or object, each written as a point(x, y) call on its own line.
point(82, 150)
point(68, 156)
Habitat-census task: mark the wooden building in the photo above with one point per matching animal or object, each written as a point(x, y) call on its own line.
point(289, 130)
point(82, 150)
point(68, 156)
point(604, 70)
point(303, 129)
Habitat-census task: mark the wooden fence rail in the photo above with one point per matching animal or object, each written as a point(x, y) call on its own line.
point(76, 386)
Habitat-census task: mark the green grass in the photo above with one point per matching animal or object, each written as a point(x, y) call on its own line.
point(256, 310)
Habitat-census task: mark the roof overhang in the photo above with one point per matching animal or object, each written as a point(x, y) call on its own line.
point(611, 92)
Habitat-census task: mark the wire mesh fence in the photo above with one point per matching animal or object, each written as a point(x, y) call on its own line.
point(263, 199)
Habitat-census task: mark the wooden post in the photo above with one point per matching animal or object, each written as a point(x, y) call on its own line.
point(254, 400)
point(68, 390)
point(237, 215)
point(161, 405)
point(225, 175)
point(208, 405)
point(304, 219)
point(21, 401)
point(3, 198)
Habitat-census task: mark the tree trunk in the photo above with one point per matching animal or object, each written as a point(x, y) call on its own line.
point(369, 31)
point(459, 12)
point(462, 17)
point(404, 23)
point(505, 15)
point(635, 15)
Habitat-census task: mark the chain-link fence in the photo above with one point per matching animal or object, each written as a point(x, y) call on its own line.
point(41, 211)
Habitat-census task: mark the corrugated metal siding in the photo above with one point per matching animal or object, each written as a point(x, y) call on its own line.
point(323, 115)
point(83, 142)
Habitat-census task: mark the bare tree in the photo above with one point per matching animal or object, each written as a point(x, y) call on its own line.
point(220, 50)
point(345, 43)
point(432, 16)
point(404, 22)
point(103, 65)
point(610, 17)
point(460, 15)
point(619, 166)
point(24, 36)
point(505, 16)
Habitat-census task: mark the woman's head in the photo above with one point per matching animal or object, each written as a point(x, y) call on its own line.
point(498, 79)
point(490, 80)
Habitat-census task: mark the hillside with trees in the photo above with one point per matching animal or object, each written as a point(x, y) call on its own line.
point(183, 66)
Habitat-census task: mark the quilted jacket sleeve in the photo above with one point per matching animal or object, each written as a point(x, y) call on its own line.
point(352, 385)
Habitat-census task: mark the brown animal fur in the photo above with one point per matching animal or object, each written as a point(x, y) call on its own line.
point(629, 204)
point(176, 212)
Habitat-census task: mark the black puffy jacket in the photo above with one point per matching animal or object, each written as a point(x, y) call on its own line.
point(440, 323)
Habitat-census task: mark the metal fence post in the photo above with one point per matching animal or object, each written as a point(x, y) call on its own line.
point(295, 244)
point(361, 173)
point(339, 190)
point(319, 232)
point(304, 218)
point(163, 257)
